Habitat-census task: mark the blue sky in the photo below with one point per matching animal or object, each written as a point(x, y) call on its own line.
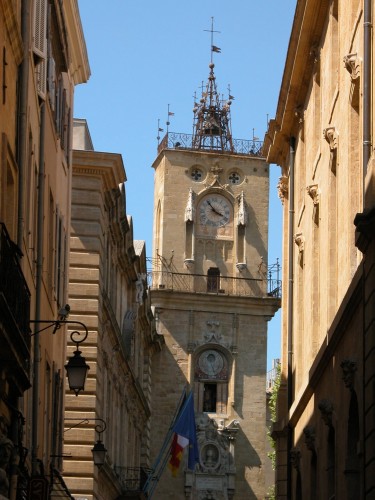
point(145, 55)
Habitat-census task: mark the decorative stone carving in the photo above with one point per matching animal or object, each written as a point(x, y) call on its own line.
point(189, 263)
point(212, 334)
point(242, 212)
point(331, 135)
point(241, 266)
point(299, 240)
point(295, 458)
point(300, 114)
point(190, 209)
point(214, 477)
point(352, 64)
point(326, 408)
point(315, 53)
point(349, 367)
point(216, 169)
point(314, 193)
point(283, 187)
point(140, 286)
point(309, 432)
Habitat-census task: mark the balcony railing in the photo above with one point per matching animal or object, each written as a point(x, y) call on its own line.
point(220, 285)
point(177, 140)
point(132, 479)
point(13, 286)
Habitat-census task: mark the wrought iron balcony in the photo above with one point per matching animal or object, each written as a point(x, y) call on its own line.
point(15, 294)
point(221, 285)
point(177, 140)
point(132, 479)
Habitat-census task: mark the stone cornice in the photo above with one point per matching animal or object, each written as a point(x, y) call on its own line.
point(109, 166)
point(79, 62)
point(308, 26)
point(182, 301)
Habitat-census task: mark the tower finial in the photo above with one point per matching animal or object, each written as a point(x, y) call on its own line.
point(212, 127)
point(214, 48)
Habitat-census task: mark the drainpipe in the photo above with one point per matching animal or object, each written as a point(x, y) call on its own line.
point(38, 290)
point(367, 29)
point(367, 55)
point(290, 308)
point(22, 117)
point(22, 104)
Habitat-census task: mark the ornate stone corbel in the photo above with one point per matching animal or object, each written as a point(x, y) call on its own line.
point(299, 240)
point(352, 64)
point(331, 135)
point(326, 408)
point(315, 53)
point(295, 458)
point(349, 367)
point(242, 212)
point(190, 209)
point(309, 432)
point(299, 113)
point(283, 187)
point(314, 193)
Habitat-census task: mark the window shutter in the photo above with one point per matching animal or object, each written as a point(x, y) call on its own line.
point(222, 398)
point(52, 82)
point(40, 28)
point(40, 45)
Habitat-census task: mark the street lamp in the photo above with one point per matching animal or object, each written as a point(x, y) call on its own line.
point(99, 451)
point(76, 367)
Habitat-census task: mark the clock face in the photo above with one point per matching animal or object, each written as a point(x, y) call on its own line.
point(215, 216)
point(211, 363)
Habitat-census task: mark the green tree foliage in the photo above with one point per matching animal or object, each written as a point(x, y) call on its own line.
point(273, 412)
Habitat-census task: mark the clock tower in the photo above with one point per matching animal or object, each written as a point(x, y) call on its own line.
point(212, 297)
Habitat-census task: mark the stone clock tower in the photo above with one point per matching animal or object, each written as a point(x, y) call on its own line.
point(212, 299)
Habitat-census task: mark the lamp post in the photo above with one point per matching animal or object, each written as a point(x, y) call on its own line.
point(99, 451)
point(76, 367)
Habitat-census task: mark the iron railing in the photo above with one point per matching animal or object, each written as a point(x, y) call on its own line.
point(221, 285)
point(132, 478)
point(13, 285)
point(177, 140)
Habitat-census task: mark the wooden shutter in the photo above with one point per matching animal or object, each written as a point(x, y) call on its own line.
point(40, 45)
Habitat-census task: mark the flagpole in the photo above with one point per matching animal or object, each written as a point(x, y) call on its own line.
point(167, 443)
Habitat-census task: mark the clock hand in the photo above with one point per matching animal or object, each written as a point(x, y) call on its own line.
point(214, 209)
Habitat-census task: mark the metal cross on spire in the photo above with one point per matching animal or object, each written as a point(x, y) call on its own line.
point(214, 48)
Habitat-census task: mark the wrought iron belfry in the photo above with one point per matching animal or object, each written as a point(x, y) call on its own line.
point(212, 124)
point(212, 129)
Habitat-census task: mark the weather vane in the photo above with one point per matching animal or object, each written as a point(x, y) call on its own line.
point(214, 48)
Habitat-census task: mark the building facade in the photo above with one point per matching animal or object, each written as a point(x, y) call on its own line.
point(108, 293)
point(43, 58)
point(322, 139)
point(212, 302)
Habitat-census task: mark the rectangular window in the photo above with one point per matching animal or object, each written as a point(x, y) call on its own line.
point(213, 279)
point(209, 398)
